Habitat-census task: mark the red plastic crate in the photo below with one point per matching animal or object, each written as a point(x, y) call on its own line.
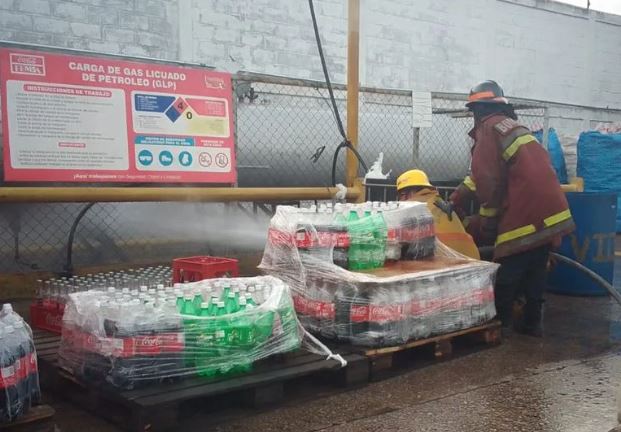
point(46, 318)
point(197, 268)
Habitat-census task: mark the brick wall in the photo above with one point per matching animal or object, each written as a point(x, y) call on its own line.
point(131, 27)
point(536, 49)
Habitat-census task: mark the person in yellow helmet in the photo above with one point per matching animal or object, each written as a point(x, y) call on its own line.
point(414, 185)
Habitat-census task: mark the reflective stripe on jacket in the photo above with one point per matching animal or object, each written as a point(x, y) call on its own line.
point(516, 186)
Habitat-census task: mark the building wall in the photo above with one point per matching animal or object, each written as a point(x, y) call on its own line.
point(536, 49)
point(136, 28)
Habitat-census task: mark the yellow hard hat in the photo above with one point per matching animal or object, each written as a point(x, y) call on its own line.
point(412, 178)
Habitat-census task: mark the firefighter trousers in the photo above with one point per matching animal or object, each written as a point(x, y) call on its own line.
point(522, 274)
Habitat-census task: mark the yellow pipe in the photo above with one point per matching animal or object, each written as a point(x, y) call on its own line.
point(576, 184)
point(353, 38)
point(155, 194)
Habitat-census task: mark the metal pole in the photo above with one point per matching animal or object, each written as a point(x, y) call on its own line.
point(546, 127)
point(416, 148)
point(353, 51)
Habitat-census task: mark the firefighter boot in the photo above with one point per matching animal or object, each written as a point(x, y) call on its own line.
point(532, 322)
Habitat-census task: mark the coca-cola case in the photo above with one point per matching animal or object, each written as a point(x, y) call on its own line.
point(46, 318)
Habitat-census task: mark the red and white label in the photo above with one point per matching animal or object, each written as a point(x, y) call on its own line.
point(27, 64)
point(124, 347)
point(314, 308)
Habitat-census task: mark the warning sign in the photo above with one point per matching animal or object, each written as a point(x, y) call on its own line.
point(89, 119)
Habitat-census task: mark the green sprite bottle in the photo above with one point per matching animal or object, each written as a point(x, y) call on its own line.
point(231, 303)
point(197, 302)
point(190, 330)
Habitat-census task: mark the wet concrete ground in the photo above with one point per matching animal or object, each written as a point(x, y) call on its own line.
point(567, 381)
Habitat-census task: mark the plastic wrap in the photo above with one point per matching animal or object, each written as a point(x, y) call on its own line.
point(213, 329)
point(19, 375)
point(415, 295)
point(555, 150)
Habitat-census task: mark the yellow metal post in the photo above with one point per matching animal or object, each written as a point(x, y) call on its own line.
point(159, 194)
point(353, 49)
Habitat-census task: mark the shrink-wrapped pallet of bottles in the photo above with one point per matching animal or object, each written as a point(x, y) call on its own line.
point(216, 328)
point(374, 274)
point(19, 374)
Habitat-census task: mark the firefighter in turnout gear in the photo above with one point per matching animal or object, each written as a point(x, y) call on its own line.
point(523, 211)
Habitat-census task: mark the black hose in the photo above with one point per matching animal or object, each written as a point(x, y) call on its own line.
point(597, 278)
point(339, 123)
point(344, 144)
point(74, 227)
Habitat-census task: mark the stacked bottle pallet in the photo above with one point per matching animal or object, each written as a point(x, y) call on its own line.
point(379, 278)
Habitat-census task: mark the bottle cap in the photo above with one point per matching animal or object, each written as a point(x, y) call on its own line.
point(204, 305)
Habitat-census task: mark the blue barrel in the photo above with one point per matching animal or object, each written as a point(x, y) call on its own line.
point(592, 244)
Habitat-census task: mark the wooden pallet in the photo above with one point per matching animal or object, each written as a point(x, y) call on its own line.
point(159, 407)
point(38, 419)
point(381, 359)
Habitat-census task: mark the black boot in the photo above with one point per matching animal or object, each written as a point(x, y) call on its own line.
point(532, 323)
point(505, 316)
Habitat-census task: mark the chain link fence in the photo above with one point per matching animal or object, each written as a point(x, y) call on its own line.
point(281, 124)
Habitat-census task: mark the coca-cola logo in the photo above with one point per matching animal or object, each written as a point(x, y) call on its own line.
point(386, 313)
point(326, 310)
point(91, 340)
point(279, 237)
point(149, 342)
point(359, 313)
point(54, 321)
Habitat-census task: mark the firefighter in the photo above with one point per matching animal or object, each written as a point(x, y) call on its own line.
point(414, 185)
point(523, 211)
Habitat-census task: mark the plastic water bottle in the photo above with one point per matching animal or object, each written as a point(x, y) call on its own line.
point(10, 405)
point(380, 235)
point(326, 312)
point(197, 301)
point(28, 384)
point(180, 301)
point(189, 326)
point(354, 255)
point(371, 235)
point(289, 324)
point(231, 304)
